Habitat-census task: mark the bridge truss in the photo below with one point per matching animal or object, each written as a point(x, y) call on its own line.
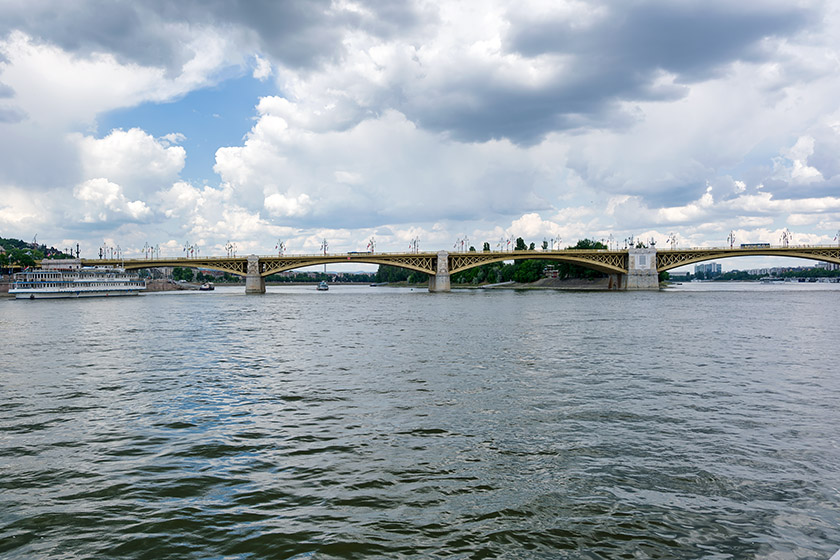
point(668, 259)
point(610, 262)
point(604, 261)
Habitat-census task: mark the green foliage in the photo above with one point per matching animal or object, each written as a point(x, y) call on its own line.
point(520, 245)
point(528, 271)
point(16, 248)
point(180, 273)
point(392, 274)
point(486, 247)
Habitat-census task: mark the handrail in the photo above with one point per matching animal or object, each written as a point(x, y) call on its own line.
point(459, 253)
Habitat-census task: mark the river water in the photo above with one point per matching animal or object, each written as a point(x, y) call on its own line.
point(697, 422)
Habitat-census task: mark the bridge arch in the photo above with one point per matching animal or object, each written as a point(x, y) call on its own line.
point(418, 262)
point(237, 266)
point(608, 262)
point(668, 259)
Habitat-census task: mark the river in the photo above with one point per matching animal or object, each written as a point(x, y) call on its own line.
point(697, 422)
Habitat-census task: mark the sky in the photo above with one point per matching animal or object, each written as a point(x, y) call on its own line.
point(134, 124)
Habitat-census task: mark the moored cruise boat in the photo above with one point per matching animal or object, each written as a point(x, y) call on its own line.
point(68, 279)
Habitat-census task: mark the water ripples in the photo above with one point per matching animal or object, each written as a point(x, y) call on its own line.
point(395, 424)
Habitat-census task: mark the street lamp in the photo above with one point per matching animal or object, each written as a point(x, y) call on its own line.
point(324, 247)
point(786, 237)
point(731, 239)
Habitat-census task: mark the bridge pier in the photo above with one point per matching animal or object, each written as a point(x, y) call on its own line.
point(641, 273)
point(440, 281)
point(254, 282)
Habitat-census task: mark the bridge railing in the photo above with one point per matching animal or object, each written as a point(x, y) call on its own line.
point(434, 253)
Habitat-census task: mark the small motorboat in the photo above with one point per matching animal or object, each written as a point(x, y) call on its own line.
point(322, 287)
point(207, 287)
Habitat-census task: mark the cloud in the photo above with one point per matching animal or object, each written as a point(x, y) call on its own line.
point(132, 158)
point(381, 171)
point(105, 201)
point(280, 205)
point(262, 68)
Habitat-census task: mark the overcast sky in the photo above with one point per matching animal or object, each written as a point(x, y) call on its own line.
point(167, 123)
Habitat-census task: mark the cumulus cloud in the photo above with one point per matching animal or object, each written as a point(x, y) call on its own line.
point(105, 201)
point(132, 158)
point(280, 205)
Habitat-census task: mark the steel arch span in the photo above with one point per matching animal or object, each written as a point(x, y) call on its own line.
point(673, 258)
point(608, 262)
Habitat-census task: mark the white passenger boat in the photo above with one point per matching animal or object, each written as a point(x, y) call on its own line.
point(68, 279)
point(322, 287)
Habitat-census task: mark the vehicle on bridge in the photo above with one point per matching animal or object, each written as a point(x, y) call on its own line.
point(755, 245)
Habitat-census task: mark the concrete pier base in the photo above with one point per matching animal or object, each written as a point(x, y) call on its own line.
point(642, 273)
point(254, 283)
point(440, 282)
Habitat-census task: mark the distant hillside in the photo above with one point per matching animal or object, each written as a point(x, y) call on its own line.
point(18, 252)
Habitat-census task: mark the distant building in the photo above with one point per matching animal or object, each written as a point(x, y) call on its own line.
point(709, 270)
point(828, 266)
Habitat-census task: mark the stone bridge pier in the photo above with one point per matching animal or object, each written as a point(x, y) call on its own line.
point(641, 270)
point(440, 281)
point(254, 282)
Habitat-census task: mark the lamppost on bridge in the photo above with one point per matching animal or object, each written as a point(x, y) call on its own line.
point(280, 248)
point(414, 245)
point(371, 246)
point(672, 239)
point(786, 238)
point(324, 247)
point(837, 238)
point(731, 239)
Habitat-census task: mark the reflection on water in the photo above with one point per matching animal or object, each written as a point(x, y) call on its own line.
point(377, 422)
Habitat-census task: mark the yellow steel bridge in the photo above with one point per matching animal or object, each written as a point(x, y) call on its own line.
point(622, 264)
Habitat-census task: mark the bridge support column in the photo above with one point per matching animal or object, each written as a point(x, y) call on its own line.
point(254, 283)
point(440, 281)
point(641, 273)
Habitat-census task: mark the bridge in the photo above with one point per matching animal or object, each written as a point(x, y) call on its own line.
point(628, 269)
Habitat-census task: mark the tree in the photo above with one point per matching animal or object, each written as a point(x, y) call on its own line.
point(528, 271)
point(520, 244)
point(24, 258)
point(531, 247)
point(566, 270)
point(387, 273)
point(181, 273)
point(486, 247)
